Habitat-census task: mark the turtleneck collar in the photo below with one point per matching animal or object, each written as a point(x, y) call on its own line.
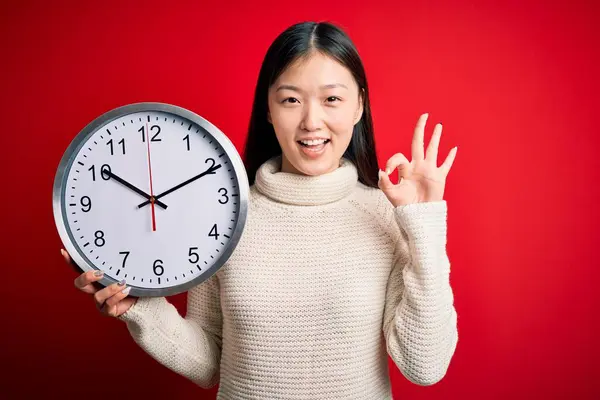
point(304, 190)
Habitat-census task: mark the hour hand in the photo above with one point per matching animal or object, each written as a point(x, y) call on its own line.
point(122, 181)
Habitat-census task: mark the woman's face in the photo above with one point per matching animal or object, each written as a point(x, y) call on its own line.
point(314, 99)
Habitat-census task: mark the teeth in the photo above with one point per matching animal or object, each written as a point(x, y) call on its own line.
point(314, 142)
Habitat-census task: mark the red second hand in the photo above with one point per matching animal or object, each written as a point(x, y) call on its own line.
point(150, 174)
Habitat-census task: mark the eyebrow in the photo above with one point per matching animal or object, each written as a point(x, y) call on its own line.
point(296, 89)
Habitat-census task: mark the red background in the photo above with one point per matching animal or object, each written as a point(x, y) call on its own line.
point(514, 85)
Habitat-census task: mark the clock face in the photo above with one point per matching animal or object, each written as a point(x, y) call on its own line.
point(153, 194)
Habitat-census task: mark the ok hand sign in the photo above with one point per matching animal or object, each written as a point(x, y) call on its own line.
point(420, 180)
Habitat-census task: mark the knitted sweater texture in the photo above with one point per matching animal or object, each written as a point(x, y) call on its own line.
point(327, 280)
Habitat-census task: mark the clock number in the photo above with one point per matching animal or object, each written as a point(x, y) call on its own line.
point(86, 202)
point(110, 143)
point(213, 162)
point(224, 195)
point(126, 254)
point(158, 267)
point(104, 168)
point(187, 140)
point(154, 138)
point(193, 253)
point(216, 234)
point(99, 241)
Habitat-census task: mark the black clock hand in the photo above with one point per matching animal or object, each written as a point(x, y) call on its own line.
point(209, 171)
point(130, 186)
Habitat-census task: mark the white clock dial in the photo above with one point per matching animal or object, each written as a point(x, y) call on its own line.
point(128, 157)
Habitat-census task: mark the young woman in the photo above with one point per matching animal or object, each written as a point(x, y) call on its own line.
point(337, 268)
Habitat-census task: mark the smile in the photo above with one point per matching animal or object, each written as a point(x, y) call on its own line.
point(315, 148)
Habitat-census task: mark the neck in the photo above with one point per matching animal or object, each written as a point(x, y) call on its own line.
point(305, 190)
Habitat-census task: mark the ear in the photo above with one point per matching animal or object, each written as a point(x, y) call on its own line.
point(269, 117)
point(360, 109)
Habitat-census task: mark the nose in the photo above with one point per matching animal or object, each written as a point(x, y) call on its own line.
point(312, 119)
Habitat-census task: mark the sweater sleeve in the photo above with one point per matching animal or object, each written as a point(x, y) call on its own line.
point(189, 346)
point(420, 321)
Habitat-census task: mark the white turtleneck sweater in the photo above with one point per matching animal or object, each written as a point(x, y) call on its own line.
point(327, 280)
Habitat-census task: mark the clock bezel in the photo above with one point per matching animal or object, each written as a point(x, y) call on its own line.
point(68, 158)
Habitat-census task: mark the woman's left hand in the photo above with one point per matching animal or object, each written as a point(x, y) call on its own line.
point(419, 180)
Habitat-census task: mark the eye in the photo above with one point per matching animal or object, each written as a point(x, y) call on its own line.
point(332, 99)
point(291, 100)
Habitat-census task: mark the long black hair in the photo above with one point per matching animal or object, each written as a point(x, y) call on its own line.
point(298, 41)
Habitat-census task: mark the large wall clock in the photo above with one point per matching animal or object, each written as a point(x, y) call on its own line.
point(151, 193)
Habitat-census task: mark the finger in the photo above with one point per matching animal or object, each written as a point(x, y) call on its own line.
point(111, 305)
point(400, 162)
point(66, 256)
point(417, 142)
point(445, 167)
point(384, 182)
point(434, 143)
point(102, 295)
point(85, 281)
point(69, 260)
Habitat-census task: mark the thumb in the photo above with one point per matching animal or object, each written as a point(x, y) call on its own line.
point(384, 182)
point(404, 170)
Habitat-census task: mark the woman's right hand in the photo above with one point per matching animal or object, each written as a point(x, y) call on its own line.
point(111, 300)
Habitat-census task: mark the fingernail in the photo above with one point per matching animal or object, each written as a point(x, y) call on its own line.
point(98, 273)
point(388, 171)
point(126, 290)
point(122, 283)
point(379, 174)
point(62, 252)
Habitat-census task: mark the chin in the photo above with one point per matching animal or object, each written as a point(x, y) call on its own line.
point(315, 167)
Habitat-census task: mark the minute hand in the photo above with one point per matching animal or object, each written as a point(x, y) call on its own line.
point(209, 171)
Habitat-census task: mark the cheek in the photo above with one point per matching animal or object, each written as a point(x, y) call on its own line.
point(282, 116)
point(284, 125)
point(341, 124)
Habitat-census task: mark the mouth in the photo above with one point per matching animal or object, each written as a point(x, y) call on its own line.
point(315, 149)
point(313, 146)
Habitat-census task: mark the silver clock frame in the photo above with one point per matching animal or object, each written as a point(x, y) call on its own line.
point(60, 181)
